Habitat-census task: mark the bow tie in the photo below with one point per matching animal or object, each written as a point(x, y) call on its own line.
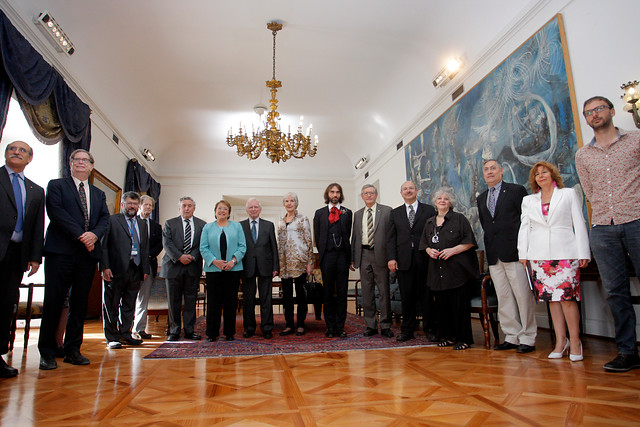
point(334, 215)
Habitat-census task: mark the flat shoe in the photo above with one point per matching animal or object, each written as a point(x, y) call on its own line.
point(300, 332)
point(445, 343)
point(286, 331)
point(461, 346)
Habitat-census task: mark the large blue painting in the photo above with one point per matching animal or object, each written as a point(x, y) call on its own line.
point(519, 114)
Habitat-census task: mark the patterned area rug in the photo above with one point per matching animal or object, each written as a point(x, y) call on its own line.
point(313, 341)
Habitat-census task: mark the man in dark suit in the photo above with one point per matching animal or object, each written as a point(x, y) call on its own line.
point(405, 230)
point(499, 208)
point(369, 255)
point(79, 217)
point(260, 262)
point(125, 262)
point(332, 230)
point(147, 203)
point(182, 267)
point(21, 236)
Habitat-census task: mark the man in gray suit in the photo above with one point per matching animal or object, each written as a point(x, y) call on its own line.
point(182, 267)
point(125, 262)
point(260, 262)
point(369, 255)
point(21, 236)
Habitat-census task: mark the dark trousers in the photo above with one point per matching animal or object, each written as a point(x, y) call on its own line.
point(72, 275)
point(10, 277)
point(222, 299)
point(265, 286)
point(335, 277)
point(287, 300)
point(119, 303)
point(454, 316)
point(414, 291)
point(182, 287)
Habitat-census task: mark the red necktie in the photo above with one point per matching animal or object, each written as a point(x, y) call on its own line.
point(334, 215)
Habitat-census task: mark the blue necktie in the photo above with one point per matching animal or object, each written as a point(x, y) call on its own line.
point(135, 240)
point(254, 233)
point(17, 192)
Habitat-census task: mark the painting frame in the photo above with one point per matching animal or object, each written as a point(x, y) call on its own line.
point(112, 191)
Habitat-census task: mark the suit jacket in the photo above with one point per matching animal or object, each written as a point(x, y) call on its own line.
point(173, 242)
point(561, 235)
point(380, 229)
point(33, 228)
point(116, 246)
point(155, 245)
point(67, 220)
point(501, 231)
point(402, 240)
point(261, 258)
point(321, 229)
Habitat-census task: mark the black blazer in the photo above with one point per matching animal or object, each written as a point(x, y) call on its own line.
point(321, 228)
point(116, 246)
point(402, 240)
point(501, 231)
point(67, 221)
point(155, 245)
point(33, 225)
point(173, 241)
point(261, 258)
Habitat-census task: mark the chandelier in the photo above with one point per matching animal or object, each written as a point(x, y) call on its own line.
point(277, 145)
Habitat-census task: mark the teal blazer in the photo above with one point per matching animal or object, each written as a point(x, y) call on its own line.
point(210, 245)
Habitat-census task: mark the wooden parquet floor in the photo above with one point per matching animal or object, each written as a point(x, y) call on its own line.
point(409, 386)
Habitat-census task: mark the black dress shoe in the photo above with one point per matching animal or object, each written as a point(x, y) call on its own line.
point(7, 371)
point(248, 334)
point(341, 333)
point(230, 338)
point(193, 336)
point(130, 341)
point(300, 332)
point(47, 364)
point(386, 333)
point(369, 332)
point(144, 335)
point(76, 359)
point(173, 337)
point(623, 362)
point(329, 333)
point(212, 339)
point(404, 337)
point(523, 348)
point(505, 346)
point(286, 331)
point(267, 335)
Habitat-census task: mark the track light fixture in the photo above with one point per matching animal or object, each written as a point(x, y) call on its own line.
point(54, 33)
point(148, 155)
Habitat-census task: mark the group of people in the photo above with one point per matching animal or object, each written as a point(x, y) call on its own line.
point(533, 242)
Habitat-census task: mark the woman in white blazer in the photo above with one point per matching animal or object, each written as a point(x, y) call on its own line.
point(553, 245)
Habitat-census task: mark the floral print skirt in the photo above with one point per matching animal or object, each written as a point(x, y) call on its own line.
point(556, 280)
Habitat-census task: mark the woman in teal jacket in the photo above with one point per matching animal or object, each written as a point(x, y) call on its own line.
point(222, 246)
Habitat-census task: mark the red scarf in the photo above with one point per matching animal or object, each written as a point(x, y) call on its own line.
point(334, 215)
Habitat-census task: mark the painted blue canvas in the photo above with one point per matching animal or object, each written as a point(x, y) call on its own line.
point(519, 114)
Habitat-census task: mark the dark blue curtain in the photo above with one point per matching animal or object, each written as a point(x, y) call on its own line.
point(24, 70)
point(138, 179)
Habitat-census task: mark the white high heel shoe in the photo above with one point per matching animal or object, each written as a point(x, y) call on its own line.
point(554, 355)
point(577, 357)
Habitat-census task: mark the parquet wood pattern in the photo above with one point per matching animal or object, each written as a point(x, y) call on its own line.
point(400, 387)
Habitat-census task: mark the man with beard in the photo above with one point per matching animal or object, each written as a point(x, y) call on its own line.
point(125, 262)
point(332, 230)
point(609, 171)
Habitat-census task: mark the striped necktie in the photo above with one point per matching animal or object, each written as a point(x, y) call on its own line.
point(370, 227)
point(187, 237)
point(83, 202)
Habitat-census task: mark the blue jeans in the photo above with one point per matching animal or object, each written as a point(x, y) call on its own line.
point(610, 245)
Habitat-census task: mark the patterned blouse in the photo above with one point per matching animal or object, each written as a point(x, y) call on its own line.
point(295, 247)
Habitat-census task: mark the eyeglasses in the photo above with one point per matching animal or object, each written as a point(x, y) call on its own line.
point(368, 193)
point(598, 109)
point(19, 149)
point(81, 160)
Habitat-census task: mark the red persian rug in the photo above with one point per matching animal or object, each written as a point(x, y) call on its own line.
point(313, 341)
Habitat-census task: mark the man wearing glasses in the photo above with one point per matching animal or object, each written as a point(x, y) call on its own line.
point(609, 171)
point(79, 218)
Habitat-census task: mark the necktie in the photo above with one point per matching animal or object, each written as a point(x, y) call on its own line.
point(254, 233)
point(83, 202)
point(412, 216)
point(334, 215)
point(187, 237)
point(17, 192)
point(135, 240)
point(491, 203)
point(370, 227)
point(223, 246)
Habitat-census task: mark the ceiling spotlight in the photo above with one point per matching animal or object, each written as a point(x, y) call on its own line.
point(54, 33)
point(448, 72)
point(362, 162)
point(148, 155)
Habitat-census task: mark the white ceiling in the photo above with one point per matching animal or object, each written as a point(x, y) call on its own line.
point(173, 76)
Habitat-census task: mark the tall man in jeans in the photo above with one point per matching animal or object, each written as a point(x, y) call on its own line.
point(609, 171)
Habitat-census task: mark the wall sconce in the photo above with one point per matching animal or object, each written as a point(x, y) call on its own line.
point(148, 155)
point(54, 33)
point(448, 72)
point(362, 162)
point(631, 98)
